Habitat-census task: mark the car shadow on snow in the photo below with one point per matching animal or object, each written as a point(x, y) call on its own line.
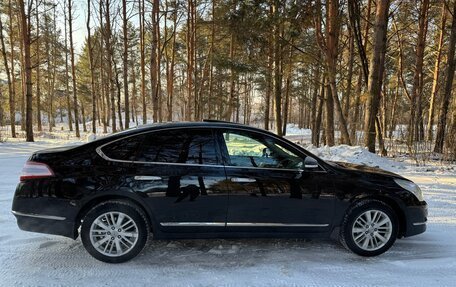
point(229, 253)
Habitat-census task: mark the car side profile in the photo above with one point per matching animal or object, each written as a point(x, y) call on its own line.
point(209, 179)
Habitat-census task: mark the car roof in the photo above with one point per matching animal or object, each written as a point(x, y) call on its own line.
point(205, 123)
point(165, 125)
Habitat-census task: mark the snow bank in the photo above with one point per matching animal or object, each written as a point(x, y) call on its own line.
point(356, 155)
point(294, 129)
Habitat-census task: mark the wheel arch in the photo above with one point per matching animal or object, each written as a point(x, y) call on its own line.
point(87, 206)
point(391, 202)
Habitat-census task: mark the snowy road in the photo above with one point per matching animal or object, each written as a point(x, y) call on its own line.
point(44, 260)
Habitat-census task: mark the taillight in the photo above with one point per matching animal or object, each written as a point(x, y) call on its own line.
point(32, 170)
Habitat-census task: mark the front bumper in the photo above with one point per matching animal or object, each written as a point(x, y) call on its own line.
point(416, 219)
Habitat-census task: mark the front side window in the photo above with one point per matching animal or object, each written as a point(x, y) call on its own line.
point(251, 150)
point(179, 146)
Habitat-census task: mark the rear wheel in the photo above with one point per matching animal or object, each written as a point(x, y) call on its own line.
point(114, 231)
point(370, 228)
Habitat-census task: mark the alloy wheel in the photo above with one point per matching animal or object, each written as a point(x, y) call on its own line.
point(372, 230)
point(114, 234)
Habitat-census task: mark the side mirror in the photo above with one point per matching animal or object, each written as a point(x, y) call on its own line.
point(310, 163)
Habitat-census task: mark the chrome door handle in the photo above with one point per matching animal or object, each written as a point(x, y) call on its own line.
point(242, 179)
point(147, 177)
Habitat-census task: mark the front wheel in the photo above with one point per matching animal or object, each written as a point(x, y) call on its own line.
point(370, 228)
point(114, 231)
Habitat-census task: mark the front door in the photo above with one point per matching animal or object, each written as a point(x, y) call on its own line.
point(181, 175)
point(269, 188)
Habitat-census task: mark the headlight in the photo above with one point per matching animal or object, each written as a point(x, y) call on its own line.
point(410, 186)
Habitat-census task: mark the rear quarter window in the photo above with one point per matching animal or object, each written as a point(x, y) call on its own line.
point(123, 149)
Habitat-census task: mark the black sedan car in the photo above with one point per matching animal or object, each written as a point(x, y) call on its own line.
point(210, 180)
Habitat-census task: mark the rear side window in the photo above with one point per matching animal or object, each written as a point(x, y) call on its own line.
point(124, 149)
point(179, 146)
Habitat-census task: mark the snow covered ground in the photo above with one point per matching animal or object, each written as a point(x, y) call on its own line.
point(428, 259)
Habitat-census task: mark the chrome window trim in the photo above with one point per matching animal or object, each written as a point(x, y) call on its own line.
point(42, 216)
point(105, 157)
point(239, 224)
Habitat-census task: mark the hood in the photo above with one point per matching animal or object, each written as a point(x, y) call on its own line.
point(357, 168)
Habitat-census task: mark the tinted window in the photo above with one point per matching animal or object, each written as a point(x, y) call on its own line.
point(123, 149)
point(251, 150)
point(179, 146)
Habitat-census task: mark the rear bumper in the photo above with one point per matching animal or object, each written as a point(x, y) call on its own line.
point(416, 219)
point(48, 224)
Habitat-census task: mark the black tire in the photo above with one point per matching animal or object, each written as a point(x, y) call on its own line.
point(117, 206)
point(347, 238)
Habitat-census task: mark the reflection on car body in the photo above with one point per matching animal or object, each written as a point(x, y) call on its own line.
point(210, 180)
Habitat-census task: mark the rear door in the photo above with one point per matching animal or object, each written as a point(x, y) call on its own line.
point(180, 173)
point(269, 188)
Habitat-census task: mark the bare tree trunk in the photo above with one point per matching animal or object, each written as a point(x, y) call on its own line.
point(118, 88)
point(329, 115)
point(38, 70)
point(204, 78)
point(8, 76)
point(143, 59)
point(317, 103)
point(25, 29)
point(49, 74)
point(277, 81)
point(125, 63)
point(394, 104)
point(268, 79)
point(376, 73)
point(1, 112)
point(67, 89)
point(361, 43)
point(446, 95)
point(159, 59)
point(190, 60)
point(104, 97)
point(317, 124)
point(381, 144)
point(416, 105)
point(329, 46)
point(134, 104)
point(92, 76)
point(195, 60)
point(170, 76)
point(436, 78)
point(110, 55)
point(348, 89)
point(73, 69)
point(12, 96)
point(210, 98)
point(354, 13)
point(154, 67)
point(51, 85)
point(313, 106)
point(287, 90)
point(229, 111)
point(23, 76)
